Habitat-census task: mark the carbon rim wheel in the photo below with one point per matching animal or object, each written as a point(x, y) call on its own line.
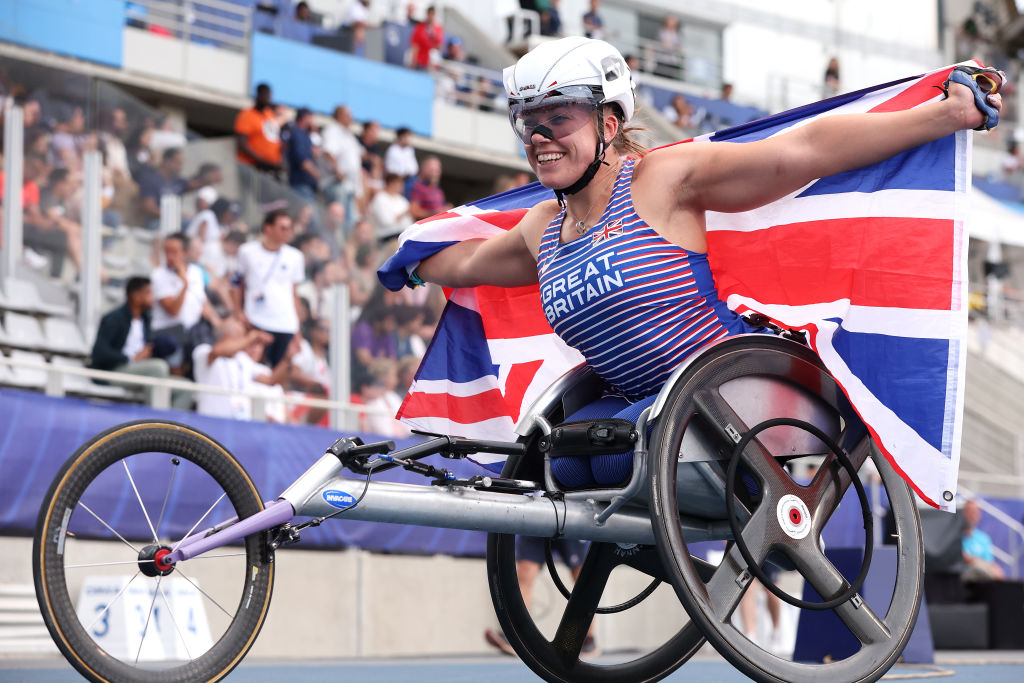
point(558, 658)
point(116, 508)
point(704, 401)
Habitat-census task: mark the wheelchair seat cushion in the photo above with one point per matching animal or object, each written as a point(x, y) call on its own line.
point(582, 471)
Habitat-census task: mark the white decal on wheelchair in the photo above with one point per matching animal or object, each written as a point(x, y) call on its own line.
point(794, 517)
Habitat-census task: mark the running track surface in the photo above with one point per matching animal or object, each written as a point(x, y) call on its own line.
point(966, 667)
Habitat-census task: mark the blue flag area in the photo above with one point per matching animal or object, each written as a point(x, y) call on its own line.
point(917, 396)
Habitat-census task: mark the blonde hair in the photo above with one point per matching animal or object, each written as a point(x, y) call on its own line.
point(626, 141)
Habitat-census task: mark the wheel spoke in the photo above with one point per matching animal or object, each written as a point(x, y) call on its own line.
point(824, 578)
point(199, 521)
point(728, 426)
point(110, 528)
point(138, 497)
point(583, 602)
point(149, 617)
point(167, 496)
point(727, 585)
point(174, 620)
point(208, 596)
point(110, 603)
point(831, 482)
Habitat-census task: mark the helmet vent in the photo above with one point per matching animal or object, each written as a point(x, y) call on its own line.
point(613, 67)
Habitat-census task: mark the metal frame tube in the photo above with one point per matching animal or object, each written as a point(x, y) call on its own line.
point(14, 168)
point(92, 236)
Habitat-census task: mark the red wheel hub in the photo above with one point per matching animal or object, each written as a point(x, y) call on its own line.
point(160, 560)
point(794, 516)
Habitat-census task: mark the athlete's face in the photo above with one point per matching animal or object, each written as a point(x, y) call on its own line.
point(561, 161)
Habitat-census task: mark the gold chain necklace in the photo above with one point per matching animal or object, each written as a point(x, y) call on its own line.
point(581, 225)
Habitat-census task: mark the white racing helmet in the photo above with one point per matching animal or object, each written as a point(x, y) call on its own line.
point(569, 71)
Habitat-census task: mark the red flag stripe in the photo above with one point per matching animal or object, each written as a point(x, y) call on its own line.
point(807, 263)
point(919, 93)
point(460, 409)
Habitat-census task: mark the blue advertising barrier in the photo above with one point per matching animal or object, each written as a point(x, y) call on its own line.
point(304, 75)
point(38, 433)
point(92, 30)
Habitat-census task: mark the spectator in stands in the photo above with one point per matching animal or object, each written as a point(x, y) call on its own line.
point(407, 367)
point(389, 209)
point(372, 156)
point(550, 20)
point(726, 94)
point(232, 242)
point(39, 233)
point(355, 21)
point(426, 41)
point(302, 12)
point(977, 548)
point(373, 337)
point(268, 272)
point(232, 363)
point(318, 290)
point(379, 392)
point(426, 198)
point(670, 48)
point(313, 249)
point(124, 342)
point(180, 293)
point(258, 134)
point(409, 321)
point(345, 155)
point(400, 158)
point(140, 154)
point(831, 85)
point(54, 205)
point(303, 174)
point(679, 112)
point(334, 230)
point(593, 24)
point(362, 274)
point(156, 182)
point(206, 228)
point(67, 138)
point(1011, 164)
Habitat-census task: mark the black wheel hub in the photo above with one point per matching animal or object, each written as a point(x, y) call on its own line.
point(153, 560)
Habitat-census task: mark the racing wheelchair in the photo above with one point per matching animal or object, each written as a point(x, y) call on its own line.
point(708, 460)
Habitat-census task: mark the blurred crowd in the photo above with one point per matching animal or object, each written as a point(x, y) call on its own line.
point(332, 200)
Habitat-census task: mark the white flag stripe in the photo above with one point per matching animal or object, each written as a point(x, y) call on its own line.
point(898, 322)
point(882, 204)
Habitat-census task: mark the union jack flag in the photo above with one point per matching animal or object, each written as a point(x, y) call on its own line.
point(613, 229)
point(870, 263)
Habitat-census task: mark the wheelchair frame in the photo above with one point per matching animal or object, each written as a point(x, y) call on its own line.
point(617, 515)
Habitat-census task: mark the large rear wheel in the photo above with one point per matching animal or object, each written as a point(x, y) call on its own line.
point(744, 386)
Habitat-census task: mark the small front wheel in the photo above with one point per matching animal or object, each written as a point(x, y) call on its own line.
point(113, 513)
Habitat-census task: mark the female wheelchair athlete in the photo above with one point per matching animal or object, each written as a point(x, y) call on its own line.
point(707, 465)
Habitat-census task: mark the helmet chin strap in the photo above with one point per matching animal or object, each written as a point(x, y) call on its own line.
point(588, 174)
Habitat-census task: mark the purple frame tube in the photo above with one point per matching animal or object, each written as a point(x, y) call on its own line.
point(275, 513)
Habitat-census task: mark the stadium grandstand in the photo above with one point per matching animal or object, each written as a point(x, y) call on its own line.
point(129, 123)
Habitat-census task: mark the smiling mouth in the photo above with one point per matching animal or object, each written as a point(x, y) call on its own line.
point(549, 157)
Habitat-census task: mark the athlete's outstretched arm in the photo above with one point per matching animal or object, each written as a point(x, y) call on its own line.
point(503, 260)
point(738, 177)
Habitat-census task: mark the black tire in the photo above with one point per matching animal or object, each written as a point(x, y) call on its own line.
point(558, 659)
point(797, 378)
point(67, 527)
